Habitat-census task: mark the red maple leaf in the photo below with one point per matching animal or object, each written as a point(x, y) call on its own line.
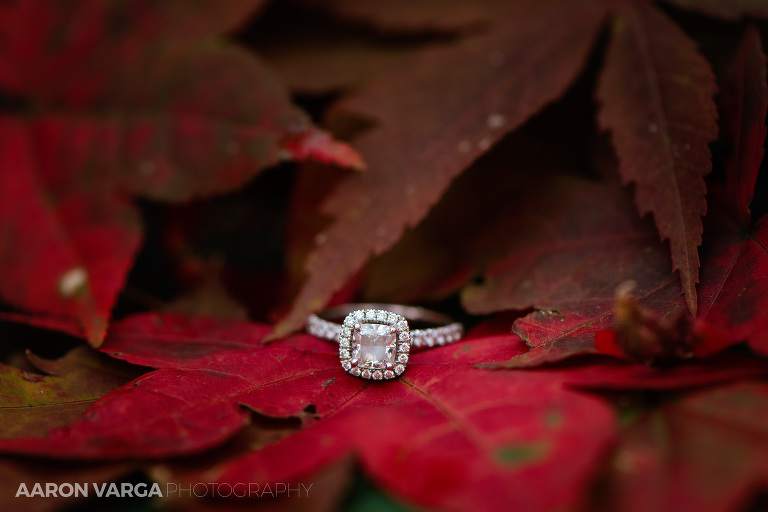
point(660, 126)
point(486, 443)
point(468, 438)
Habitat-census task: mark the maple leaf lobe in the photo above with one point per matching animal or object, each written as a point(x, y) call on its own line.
point(656, 95)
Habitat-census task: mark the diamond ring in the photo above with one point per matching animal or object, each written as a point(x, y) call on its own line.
point(375, 339)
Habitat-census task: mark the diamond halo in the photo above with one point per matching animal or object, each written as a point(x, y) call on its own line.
point(377, 342)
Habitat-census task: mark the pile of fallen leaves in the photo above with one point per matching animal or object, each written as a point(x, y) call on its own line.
point(183, 182)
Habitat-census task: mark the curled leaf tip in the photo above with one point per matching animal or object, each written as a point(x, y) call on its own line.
point(320, 146)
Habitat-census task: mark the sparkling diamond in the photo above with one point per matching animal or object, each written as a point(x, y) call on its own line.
point(346, 365)
point(343, 353)
point(441, 340)
point(381, 316)
point(346, 332)
point(402, 325)
point(374, 346)
point(344, 342)
point(399, 369)
point(359, 314)
point(349, 321)
point(392, 318)
point(370, 314)
point(355, 372)
point(404, 347)
point(405, 335)
point(402, 358)
point(377, 375)
point(366, 374)
point(389, 374)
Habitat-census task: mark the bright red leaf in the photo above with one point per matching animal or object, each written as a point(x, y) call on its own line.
point(423, 141)
point(78, 236)
point(492, 447)
point(469, 438)
point(490, 442)
point(656, 93)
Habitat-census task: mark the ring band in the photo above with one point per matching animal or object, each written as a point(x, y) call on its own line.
point(375, 339)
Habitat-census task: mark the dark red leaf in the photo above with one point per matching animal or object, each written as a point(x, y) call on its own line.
point(733, 300)
point(734, 272)
point(501, 197)
point(656, 95)
point(743, 105)
point(413, 16)
point(423, 141)
point(569, 274)
point(705, 452)
point(116, 99)
point(333, 60)
point(572, 244)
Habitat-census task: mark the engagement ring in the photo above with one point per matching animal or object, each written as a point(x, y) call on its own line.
point(375, 339)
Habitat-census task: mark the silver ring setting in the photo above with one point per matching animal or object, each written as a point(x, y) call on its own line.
point(375, 340)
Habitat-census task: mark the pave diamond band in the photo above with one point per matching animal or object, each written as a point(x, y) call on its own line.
point(375, 339)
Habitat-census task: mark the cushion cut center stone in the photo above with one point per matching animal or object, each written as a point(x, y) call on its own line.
point(375, 345)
